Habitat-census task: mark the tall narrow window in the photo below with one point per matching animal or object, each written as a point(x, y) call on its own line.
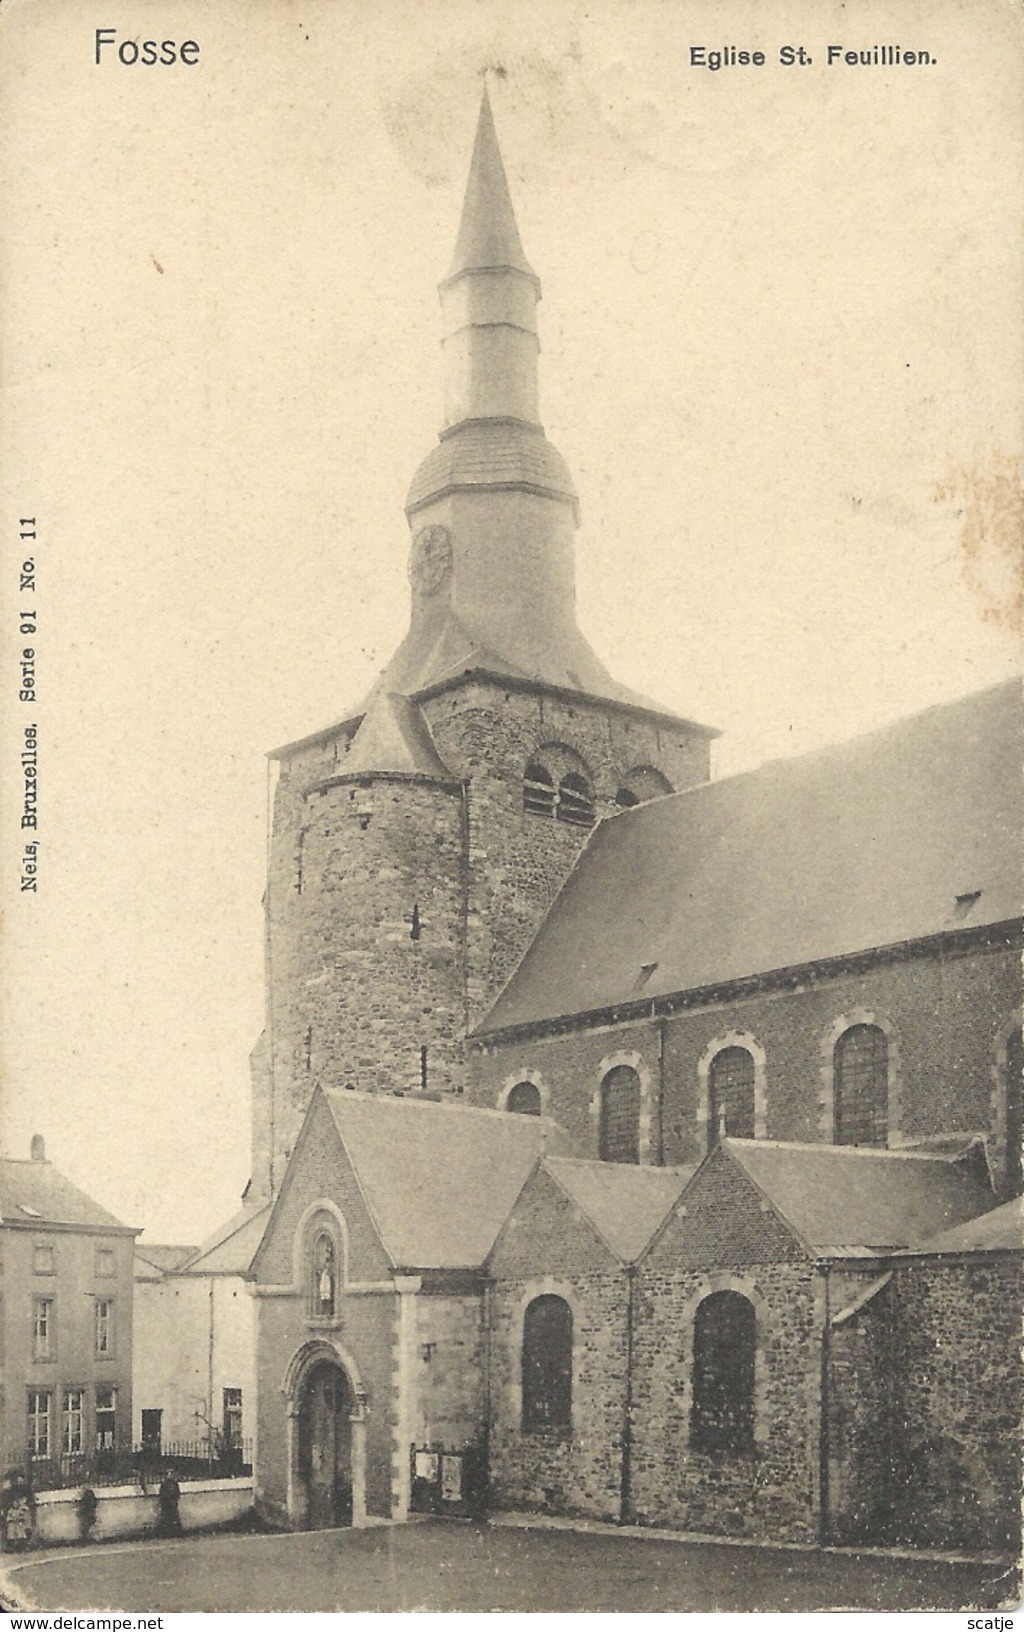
point(106, 1419)
point(538, 790)
point(44, 1345)
point(233, 1418)
point(575, 801)
point(547, 1364)
point(38, 1422)
point(105, 1263)
point(104, 1327)
point(619, 1132)
point(1014, 1128)
point(861, 1086)
point(731, 1094)
point(323, 1277)
point(724, 1340)
point(72, 1432)
point(524, 1099)
point(42, 1260)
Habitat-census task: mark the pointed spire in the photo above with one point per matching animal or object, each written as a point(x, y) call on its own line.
point(488, 234)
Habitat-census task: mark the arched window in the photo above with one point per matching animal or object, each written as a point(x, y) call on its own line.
point(547, 1363)
point(1014, 1127)
point(731, 1094)
point(724, 1342)
point(575, 801)
point(860, 1066)
point(619, 1130)
point(538, 790)
point(643, 782)
point(524, 1099)
point(323, 1276)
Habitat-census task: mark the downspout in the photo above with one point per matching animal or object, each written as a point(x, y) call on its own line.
point(626, 1479)
point(210, 1364)
point(662, 1023)
point(823, 1434)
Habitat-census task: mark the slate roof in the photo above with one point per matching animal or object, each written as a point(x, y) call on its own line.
point(625, 1204)
point(491, 453)
point(855, 847)
point(439, 1180)
point(34, 1193)
point(841, 1198)
point(231, 1249)
point(1001, 1230)
point(159, 1258)
point(488, 235)
point(394, 736)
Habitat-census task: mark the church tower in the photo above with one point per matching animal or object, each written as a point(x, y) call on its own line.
point(417, 844)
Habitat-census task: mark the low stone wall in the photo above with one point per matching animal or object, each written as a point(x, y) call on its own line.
point(125, 1510)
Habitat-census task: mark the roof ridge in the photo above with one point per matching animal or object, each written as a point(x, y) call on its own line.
point(851, 1150)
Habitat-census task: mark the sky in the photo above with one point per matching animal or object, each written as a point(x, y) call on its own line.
point(781, 353)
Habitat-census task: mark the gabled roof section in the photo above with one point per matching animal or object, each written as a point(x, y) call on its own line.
point(1001, 1230)
point(153, 1259)
point(625, 1204)
point(34, 1194)
point(439, 1180)
point(488, 234)
point(231, 1249)
point(394, 736)
point(841, 1199)
point(909, 832)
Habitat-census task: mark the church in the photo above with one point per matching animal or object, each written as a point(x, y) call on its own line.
point(625, 1144)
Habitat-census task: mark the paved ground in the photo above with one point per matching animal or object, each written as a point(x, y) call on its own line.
point(454, 1566)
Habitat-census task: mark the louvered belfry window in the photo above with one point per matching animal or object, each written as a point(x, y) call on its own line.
point(547, 1364)
point(575, 801)
point(861, 1086)
point(731, 1091)
point(538, 790)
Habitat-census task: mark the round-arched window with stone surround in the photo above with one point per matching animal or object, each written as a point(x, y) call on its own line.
point(724, 1368)
point(523, 1098)
point(547, 1364)
point(731, 1079)
point(619, 1116)
point(860, 1072)
point(640, 784)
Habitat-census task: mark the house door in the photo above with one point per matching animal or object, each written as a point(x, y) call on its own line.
point(325, 1446)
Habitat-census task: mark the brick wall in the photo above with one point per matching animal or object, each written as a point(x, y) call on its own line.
point(947, 1014)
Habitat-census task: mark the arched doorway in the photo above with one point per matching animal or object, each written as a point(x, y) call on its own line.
point(325, 1413)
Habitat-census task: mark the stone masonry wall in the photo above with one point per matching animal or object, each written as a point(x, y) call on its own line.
point(957, 1364)
point(450, 1370)
point(547, 1245)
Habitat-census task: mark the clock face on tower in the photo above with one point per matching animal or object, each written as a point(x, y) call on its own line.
point(430, 560)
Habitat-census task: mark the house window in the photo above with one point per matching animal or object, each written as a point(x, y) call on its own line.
point(104, 1326)
point(1014, 1120)
point(524, 1099)
point(152, 1426)
point(575, 801)
point(38, 1422)
point(724, 1337)
point(731, 1094)
point(860, 1063)
point(44, 1336)
point(233, 1418)
point(42, 1260)
point(74, 1414)
point(547, 1364)
point(619, 1131)
point(105, 1265)
point(323, 1277)
point(106, 1418)
point(538, 790)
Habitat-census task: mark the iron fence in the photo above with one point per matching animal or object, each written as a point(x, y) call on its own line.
point(144, 1465)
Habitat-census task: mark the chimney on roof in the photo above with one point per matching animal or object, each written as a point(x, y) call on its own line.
point(37, 1149)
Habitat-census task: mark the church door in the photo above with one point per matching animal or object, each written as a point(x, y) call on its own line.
point(325, 1446)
